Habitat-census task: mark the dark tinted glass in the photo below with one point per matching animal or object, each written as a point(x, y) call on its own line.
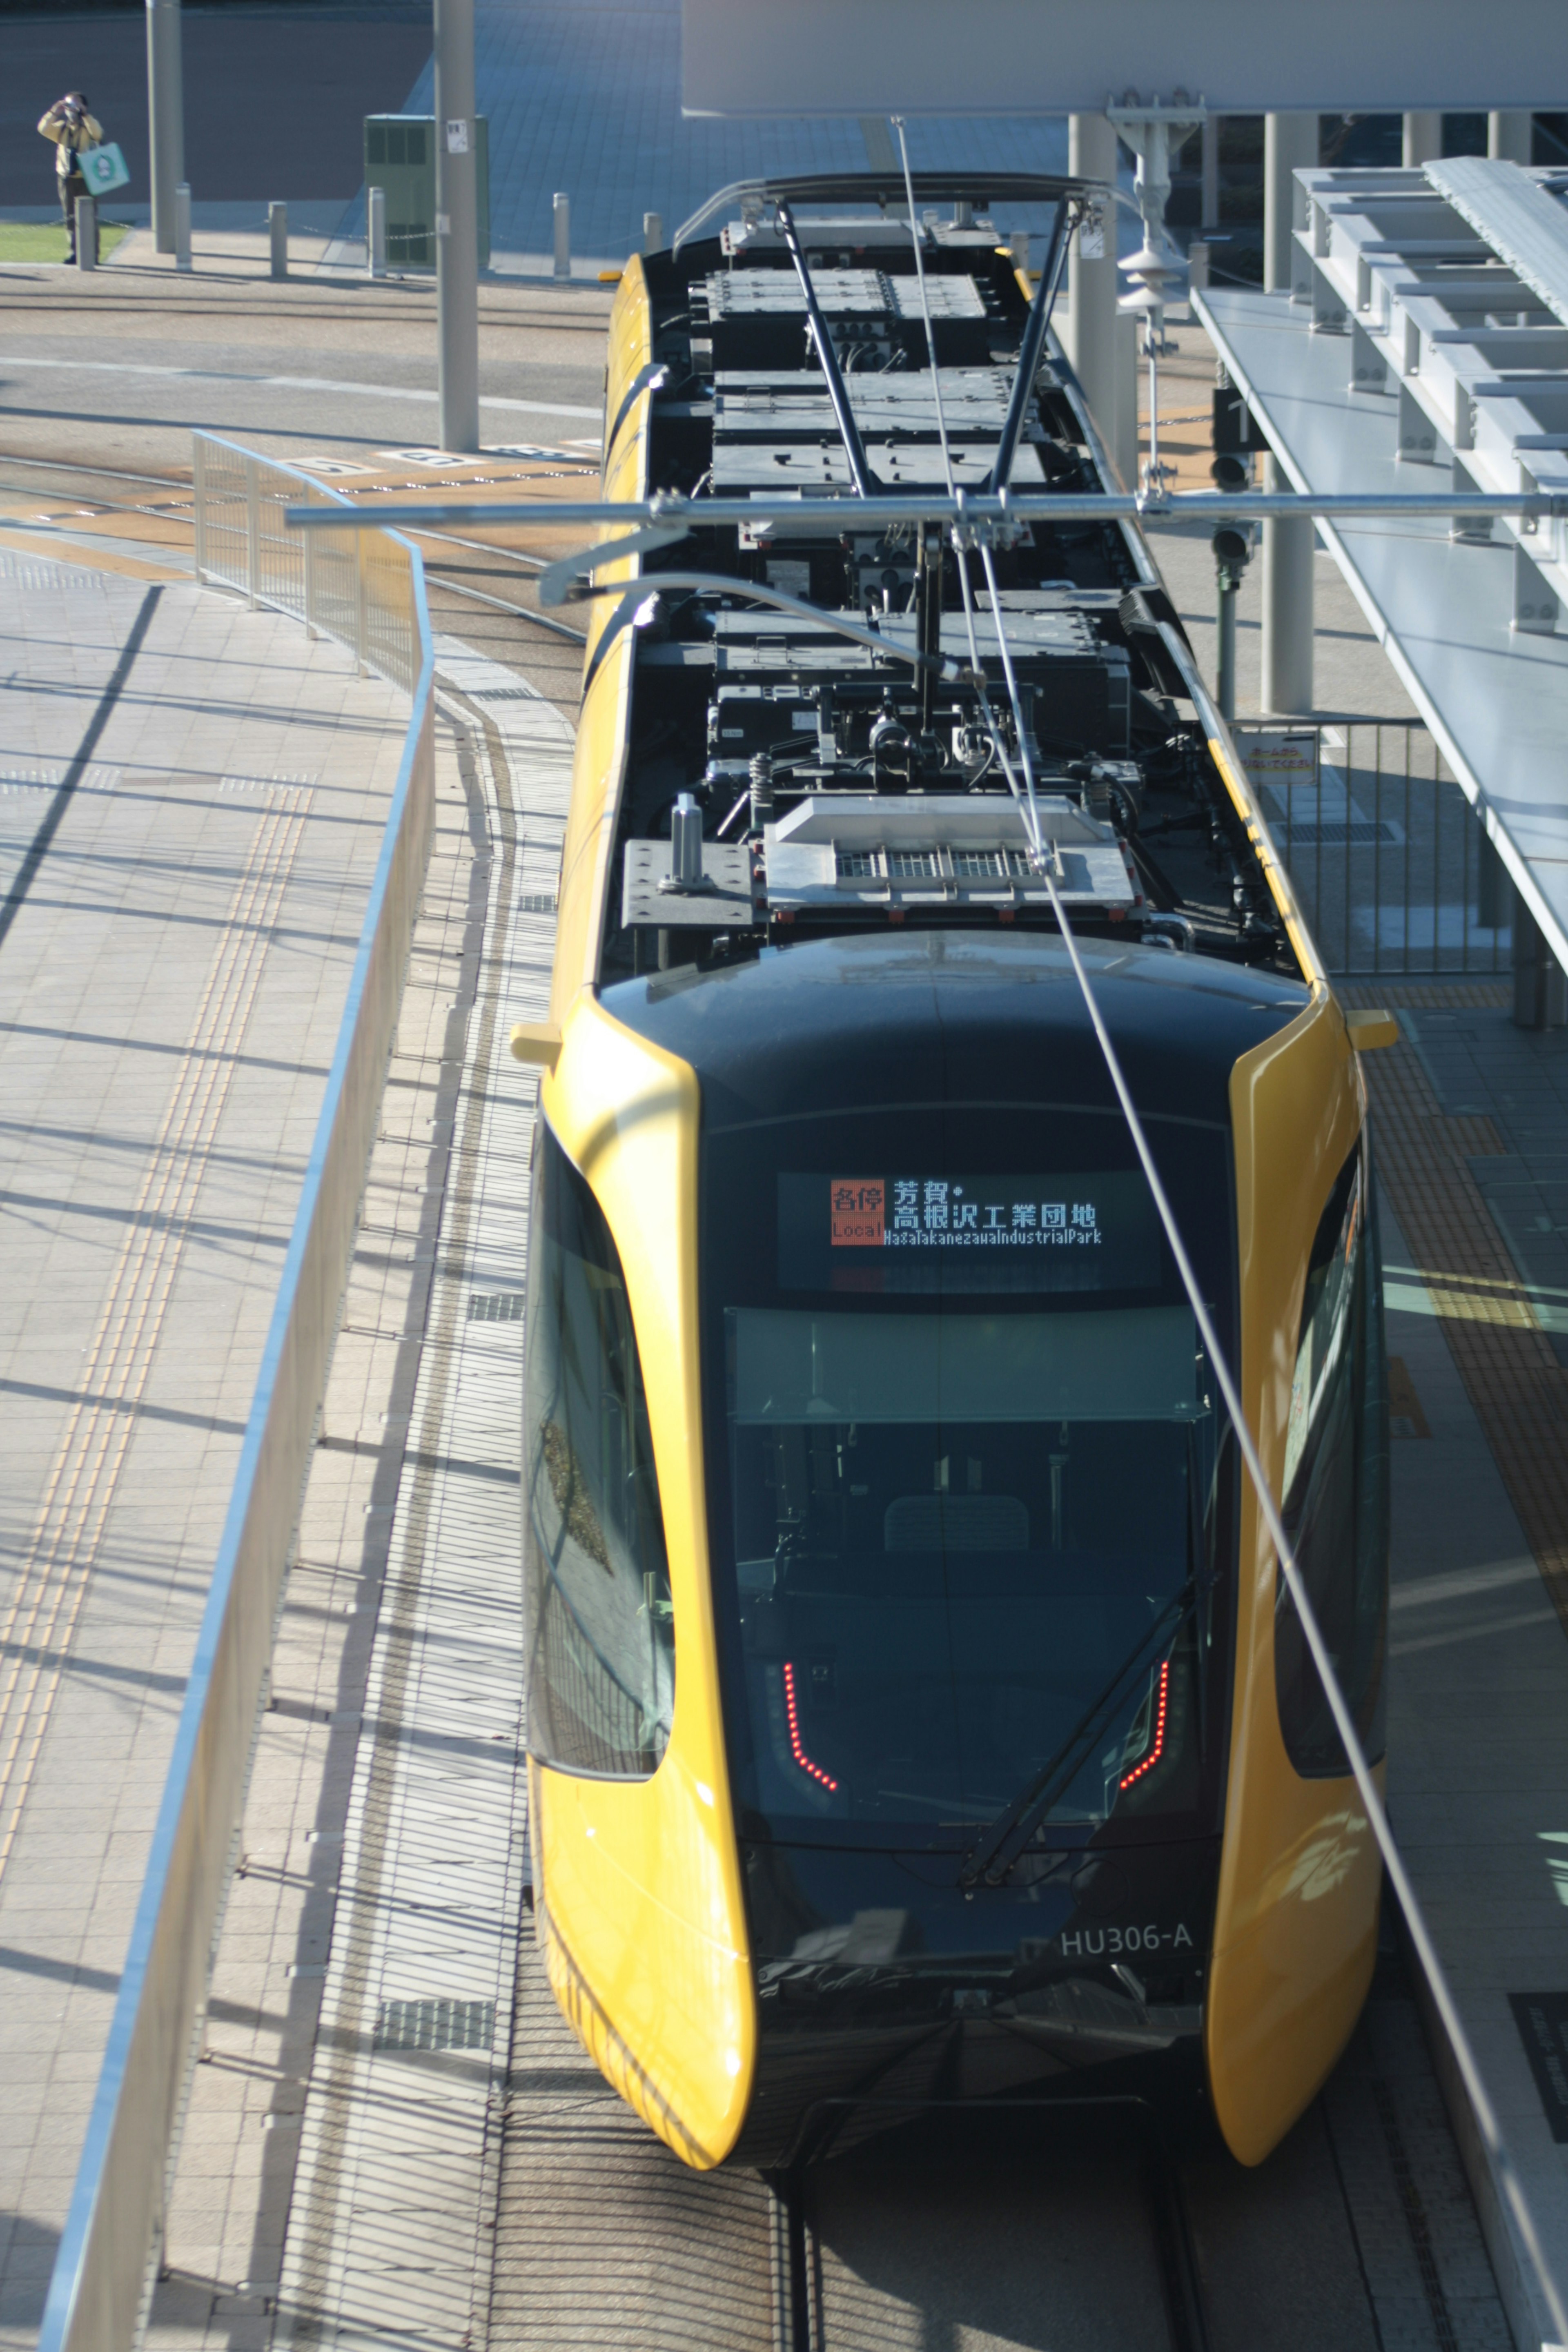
point(1336, 1486)
point(601, 1637)
point(959, 1538)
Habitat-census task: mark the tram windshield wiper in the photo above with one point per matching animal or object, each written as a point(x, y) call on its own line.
point(993, 1855)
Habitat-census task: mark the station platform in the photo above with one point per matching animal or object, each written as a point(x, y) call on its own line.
point(192, 804)
point(1470, 1133)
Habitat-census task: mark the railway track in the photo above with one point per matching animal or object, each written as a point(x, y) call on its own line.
point(484, 594)
point(994, 2231)
point(975, 2230)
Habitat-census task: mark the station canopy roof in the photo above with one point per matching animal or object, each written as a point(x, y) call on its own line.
point(1423, 344)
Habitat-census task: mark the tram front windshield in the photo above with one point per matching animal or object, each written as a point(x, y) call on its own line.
point(970, 1508)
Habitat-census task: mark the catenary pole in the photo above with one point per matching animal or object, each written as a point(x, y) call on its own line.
point(1088, 328)
point(456, 225)
point(1290, 145)
point(166, 117)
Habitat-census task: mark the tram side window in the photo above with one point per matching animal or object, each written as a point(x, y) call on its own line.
point(1336, 1487)
point(600, 1626)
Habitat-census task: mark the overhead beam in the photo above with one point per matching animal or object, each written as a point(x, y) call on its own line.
point(1056, 57)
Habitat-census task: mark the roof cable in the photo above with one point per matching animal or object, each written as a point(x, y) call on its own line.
point(1028, 810)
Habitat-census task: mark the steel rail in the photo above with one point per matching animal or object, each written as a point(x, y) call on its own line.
point(524, 612)
point(970, 510)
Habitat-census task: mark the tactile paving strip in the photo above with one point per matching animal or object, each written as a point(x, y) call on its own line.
point(1511, 1375)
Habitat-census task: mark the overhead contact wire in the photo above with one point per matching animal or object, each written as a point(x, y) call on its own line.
point(1425, 1951)
point(1032, 814)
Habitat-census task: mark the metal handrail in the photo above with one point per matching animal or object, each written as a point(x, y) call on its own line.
point(243, 542)
point(114, 2226)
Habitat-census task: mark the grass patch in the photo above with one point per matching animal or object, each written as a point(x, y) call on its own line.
point(46, 240)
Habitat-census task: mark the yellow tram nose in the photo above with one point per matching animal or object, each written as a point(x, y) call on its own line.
point(912, 1712)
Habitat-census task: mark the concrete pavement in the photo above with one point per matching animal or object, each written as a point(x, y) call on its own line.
point(171, 979)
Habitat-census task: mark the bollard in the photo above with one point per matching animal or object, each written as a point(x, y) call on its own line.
point(1021, 249)
point(652, 233)
point(376, 232)
point(563, 235)
point(86, 233)
point(277, 230)
point(182, 225)
point(1198, 266)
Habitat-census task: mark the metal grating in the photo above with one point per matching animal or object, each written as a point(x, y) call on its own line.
point(495, 1306)
point(435, 2024)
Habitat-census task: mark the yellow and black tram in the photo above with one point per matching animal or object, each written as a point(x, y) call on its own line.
point(914, 1713)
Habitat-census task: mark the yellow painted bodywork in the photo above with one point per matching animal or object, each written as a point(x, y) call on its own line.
point(639, 1904)
point(1295, 1921)
point(604, 725)
point(639, 1898)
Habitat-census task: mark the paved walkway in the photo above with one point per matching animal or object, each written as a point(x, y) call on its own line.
point(338, 2173)
point(192, 799)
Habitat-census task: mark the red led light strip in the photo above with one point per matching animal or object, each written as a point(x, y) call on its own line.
point(1158, 1750)
point(796, 1749)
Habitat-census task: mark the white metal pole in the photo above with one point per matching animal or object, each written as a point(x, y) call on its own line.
point(165, 116)
point(376, 232)
point(199, 502)
point(652, 233)
point(1511, 137)
point(86, 233)
point(277, 232)
point(1423, 140)
point(563, 213)
point(253, 532)
point(456, 225)
point(1290, 145)
point(182, 225)
point(1124, 448)
point(1089, 330)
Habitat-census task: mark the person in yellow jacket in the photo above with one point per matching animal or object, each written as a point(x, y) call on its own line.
point(72, 128)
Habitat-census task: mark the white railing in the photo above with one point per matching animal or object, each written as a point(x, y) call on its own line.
point(356, 586)
point(367, 590)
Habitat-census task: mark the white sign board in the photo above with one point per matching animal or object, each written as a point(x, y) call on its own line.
point(1281, 758)
point(771, 58)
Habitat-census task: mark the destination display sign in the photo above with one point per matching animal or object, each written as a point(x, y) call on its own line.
point(923, 1232)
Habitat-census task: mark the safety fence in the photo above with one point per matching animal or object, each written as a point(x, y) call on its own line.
point(1393, 872)
point(374, 602)
point(355, 585)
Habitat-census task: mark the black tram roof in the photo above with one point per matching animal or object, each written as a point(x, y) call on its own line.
point(950, 1017)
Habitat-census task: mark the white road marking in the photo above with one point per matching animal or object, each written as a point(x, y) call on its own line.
point(20, 363)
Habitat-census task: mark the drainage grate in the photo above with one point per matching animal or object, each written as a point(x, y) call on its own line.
point(495, 1307)
point(434, 2026)
point(504, 694)
point(537, 902)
